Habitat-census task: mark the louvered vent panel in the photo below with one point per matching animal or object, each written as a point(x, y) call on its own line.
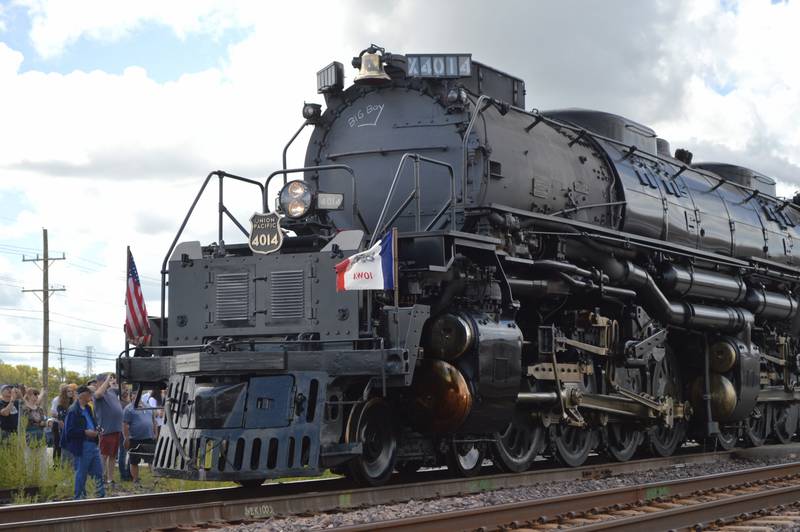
point(287, 296)
point(233, 293)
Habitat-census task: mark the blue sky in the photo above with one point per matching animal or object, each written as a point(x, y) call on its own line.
point(153, 46)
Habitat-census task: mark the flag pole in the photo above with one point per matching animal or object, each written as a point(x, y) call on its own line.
point(124, 332)
point(395, 269)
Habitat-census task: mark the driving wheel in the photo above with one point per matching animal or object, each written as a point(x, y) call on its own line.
point(784, 421)
point(665, 382)
point(623, 439)
point(515, 449)
point(573, 444)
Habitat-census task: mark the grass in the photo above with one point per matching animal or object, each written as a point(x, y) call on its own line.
point(23, 466)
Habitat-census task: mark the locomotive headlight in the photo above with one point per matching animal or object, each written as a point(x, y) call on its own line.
point(295, 199)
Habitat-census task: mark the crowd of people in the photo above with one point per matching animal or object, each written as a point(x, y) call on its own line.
point(95, 427)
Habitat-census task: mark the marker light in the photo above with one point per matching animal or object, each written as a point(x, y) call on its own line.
point(295, 199)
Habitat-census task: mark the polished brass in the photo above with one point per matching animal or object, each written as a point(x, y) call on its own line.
point(371, 71)
point(723, 395)
point(722, 356)
point(450, 336)
point(442, 399)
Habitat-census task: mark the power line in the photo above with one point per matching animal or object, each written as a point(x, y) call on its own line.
point(110, 326)
point(63, 347)
point(55, 353)
point(53, 321)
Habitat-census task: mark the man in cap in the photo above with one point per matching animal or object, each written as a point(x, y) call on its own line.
point(109, 416)
point(80, 438)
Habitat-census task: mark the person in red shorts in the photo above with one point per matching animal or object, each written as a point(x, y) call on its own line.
point(108, 410)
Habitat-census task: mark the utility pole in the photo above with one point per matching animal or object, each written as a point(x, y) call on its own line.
point(89, 361)
point(61, 361)
point(46, 260)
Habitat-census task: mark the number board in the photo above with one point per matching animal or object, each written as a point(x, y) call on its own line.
point(265, 233)
point(439, 66)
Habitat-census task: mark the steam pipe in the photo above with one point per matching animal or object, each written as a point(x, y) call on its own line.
point(729, 288)
point(682, 313)
point(703, 284)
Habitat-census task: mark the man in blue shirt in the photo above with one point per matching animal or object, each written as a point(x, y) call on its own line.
point(108, 410)
point(80, 438)
point(139, 430)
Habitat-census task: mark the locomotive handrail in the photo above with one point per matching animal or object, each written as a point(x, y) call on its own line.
point(464, 151)
point(415, 195)
point(346, 168)
point(222, 210)
point(291, 140)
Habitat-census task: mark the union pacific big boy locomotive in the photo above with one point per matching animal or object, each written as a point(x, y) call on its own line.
point(563, 285)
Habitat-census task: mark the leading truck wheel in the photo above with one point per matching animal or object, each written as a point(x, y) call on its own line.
point(465, 458)
point(370, 424)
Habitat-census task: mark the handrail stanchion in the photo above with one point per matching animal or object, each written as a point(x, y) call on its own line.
point(416, 191)
point(478, 111)
point(222, 209)
point(381, 226)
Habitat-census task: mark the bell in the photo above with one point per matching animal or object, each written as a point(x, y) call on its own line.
point(371, 71)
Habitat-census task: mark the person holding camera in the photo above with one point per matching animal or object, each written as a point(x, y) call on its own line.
point(80, 437)
point(9, 411)
point(108, 409)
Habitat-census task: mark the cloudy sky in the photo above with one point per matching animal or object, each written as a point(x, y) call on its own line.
point(113, 112)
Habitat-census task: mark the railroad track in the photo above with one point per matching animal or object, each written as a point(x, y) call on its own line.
point(678, 504)
point(164, 510)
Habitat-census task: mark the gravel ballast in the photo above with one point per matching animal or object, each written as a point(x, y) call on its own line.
point(414, 508)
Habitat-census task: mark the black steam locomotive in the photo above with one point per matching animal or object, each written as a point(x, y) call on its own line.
point(564, 285)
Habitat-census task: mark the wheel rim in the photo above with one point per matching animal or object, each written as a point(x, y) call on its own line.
point(471, 459)
point(664, 440)
point(573, 444)
point(726, 439)
point(624, 439)
point(785, 422)
point(368, 425)
point(465, 458)
point(516, 448)
point(756, 426)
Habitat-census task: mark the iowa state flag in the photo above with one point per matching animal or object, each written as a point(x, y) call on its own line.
point(372, 269)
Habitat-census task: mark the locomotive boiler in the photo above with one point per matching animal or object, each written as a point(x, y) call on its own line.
point(564, 284)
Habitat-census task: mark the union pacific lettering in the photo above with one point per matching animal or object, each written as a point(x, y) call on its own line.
point(362, 276)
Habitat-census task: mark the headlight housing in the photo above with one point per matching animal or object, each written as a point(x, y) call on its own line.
point(295, 199)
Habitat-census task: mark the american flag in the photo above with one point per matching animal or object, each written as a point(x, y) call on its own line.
point(137, 328)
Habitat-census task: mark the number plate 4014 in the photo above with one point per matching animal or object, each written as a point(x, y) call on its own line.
point(265, 233)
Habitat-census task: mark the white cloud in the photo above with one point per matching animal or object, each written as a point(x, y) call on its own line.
point(105, 160)
point(56, 24)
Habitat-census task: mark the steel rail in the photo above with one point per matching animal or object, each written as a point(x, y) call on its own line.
point(702, 513)
point(138, 512)
point(491, 517)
